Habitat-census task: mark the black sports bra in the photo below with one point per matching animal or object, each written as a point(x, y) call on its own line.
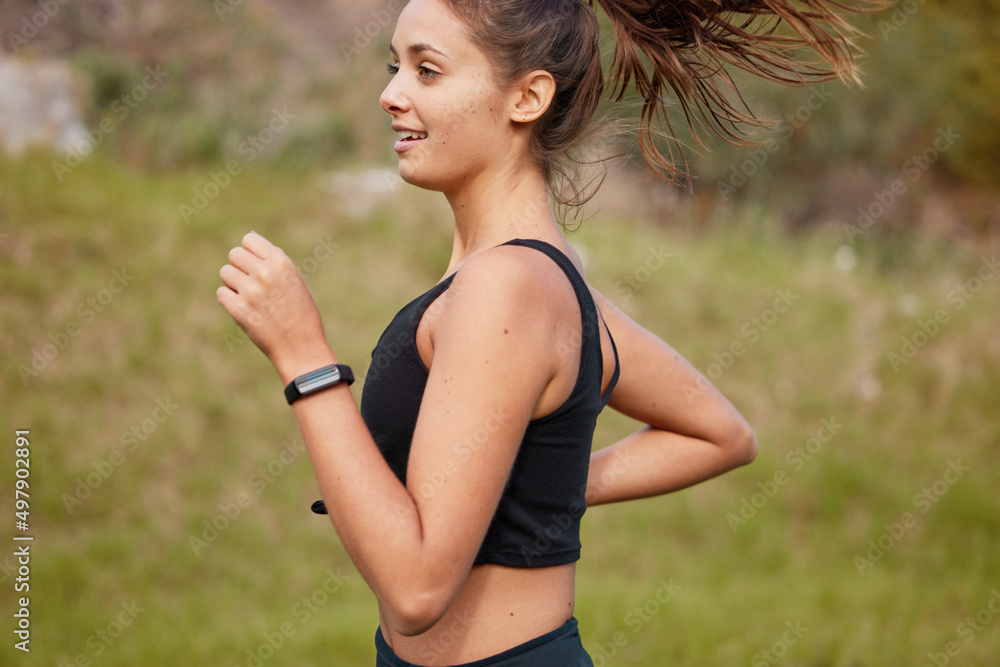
point(537, 522)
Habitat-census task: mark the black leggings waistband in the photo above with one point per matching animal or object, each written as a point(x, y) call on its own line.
point(559, 648)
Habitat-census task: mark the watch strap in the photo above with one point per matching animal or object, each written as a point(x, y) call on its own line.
point(318, 380)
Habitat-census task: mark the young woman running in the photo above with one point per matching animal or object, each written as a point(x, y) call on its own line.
point(474, 433)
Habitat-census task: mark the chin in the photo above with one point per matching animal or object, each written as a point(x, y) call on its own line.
point(412, 174)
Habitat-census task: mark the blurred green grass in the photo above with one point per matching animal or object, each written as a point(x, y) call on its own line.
point(163, 337)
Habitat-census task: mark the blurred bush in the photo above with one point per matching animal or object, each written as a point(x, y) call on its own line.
point(923, 120)
point(929, 68)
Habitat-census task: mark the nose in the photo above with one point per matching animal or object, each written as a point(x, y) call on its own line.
point(393, 100)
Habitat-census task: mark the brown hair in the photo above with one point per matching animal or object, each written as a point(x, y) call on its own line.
point(681, 44)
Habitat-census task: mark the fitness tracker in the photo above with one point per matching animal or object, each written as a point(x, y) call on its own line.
point(318, 380)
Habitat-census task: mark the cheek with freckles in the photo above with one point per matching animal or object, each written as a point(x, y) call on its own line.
point(465, 134)
point(474, 121)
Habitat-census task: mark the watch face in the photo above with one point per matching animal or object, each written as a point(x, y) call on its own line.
point(317, 379)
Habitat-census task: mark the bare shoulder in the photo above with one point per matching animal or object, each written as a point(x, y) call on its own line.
point(519, 266)
point(512, 282)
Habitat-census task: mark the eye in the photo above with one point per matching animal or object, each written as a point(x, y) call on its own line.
point(426, 72)
point(392, 69)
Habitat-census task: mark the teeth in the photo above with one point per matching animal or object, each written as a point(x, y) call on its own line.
point(407, 134)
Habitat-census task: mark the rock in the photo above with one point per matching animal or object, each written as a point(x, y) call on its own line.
point(40, 104)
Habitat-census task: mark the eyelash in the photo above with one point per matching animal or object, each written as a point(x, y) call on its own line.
point(394, 70)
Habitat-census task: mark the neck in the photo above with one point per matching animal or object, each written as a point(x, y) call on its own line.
point(496, 208)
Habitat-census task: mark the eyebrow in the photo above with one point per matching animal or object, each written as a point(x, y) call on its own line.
point(420, 47)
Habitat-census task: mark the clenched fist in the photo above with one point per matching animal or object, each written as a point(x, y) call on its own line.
point(264, 292)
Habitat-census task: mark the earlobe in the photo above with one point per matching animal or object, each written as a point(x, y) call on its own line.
point(533, 97)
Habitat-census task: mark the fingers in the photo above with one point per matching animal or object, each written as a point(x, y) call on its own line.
point(233, 278)
point(258, 245)
point(244, 260)
point(230, 301)
point(226, 297)
point(256, 263)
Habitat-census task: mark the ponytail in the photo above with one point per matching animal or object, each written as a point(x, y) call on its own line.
point(688, 44)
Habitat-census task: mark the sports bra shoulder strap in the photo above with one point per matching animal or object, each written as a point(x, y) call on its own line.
point(579, 286)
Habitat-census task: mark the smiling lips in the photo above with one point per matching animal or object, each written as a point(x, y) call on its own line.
point(408, 139)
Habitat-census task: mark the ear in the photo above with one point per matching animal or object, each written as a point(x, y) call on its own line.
point(531, 99)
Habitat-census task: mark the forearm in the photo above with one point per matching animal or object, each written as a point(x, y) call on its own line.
point(374, 515)
point(652, 462)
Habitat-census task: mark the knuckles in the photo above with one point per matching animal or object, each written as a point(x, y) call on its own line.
point(272, 285)
point(284, 263)
point(254, 291)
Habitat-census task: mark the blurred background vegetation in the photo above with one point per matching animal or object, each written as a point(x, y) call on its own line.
point(928, 65)
point(274, 586)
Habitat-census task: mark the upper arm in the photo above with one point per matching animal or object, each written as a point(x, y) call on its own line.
point(659, 387)
point(490, 366)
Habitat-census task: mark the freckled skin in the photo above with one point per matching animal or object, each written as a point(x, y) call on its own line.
point(451, 100)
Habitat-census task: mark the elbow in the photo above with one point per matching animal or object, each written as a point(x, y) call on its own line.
point(744, 445)
point(414, 612)
point(736, 442)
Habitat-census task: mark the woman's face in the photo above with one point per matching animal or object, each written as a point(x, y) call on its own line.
point(443, 93)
